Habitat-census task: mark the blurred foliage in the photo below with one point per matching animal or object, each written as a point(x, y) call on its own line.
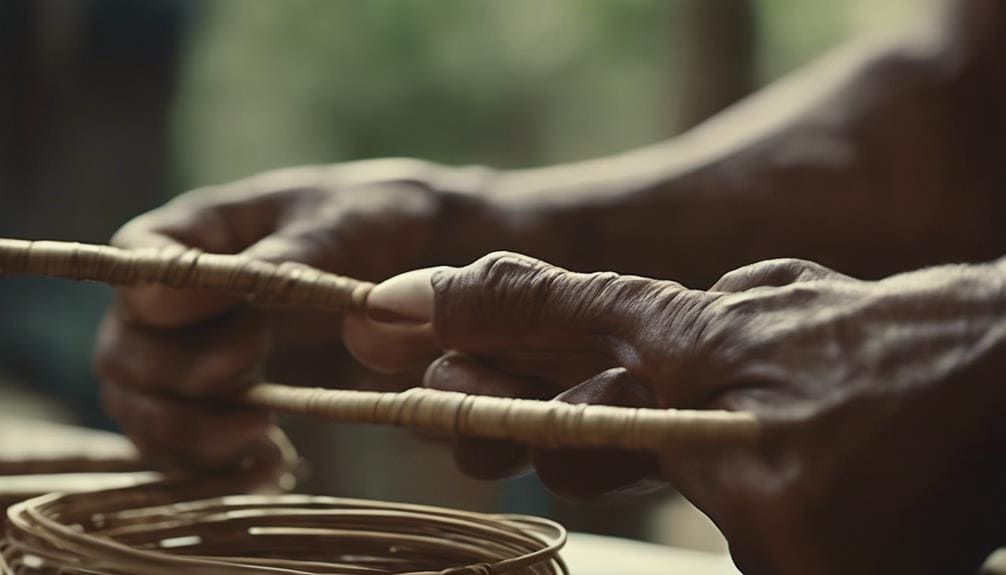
point(510, 83)
point(793, 32)
point(514, 82)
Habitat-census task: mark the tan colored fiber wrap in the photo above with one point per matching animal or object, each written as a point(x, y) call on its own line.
point(259, 281)
point(540, 423)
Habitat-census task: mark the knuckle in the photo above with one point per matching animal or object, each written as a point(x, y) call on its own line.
point(435, 371)
point(774, 272)
point(502, 267)
point(438, 374)
point(614, 386)
point(515, 280)
point(223, 372)
point(494, 283)
point(133, 233)
point(796, 269)
point(226, 367)
point(791, 264)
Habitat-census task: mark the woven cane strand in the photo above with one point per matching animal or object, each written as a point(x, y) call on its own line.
point(174, 266)
point(539, 423)
point(160, 529)
point(548, 424)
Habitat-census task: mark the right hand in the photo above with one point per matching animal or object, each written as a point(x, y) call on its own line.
point(162, 352)
point(880, 402)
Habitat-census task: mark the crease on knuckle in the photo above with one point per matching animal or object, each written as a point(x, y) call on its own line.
point(514, 281)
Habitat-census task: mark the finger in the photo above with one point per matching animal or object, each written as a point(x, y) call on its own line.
point(184, 432)
point(214, 357)
point(564, 370)
point(405, 298)
point(225, 219)
point(775, 272)
point(311, 247)
point(266, 465)
point(482, 458)
point(388, 348)
point(509, 302)
point(159, 305)
point(586, 473)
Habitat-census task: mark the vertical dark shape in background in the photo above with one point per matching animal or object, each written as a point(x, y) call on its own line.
point(86, 88)
point(713, 54)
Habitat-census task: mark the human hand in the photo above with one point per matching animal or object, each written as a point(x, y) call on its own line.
point(165, 354)
point(880, 401)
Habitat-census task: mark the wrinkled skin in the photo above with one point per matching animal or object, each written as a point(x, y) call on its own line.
point(877, 159)
point(164, 355)
point(882, 401)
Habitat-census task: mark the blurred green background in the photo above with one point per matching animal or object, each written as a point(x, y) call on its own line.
point(113, 106)
point(509, 83)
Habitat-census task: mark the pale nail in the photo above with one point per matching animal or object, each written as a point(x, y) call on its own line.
point(408, 296)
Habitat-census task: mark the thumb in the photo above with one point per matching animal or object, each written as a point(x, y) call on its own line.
point(509, 302)
point(164, 306)
point(159, 305)
point(293, 247)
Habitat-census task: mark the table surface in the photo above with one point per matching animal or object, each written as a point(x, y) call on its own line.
point(585, 554)
point(596, 555)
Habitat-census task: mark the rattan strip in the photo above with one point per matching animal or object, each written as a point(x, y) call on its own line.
point(159, 530)
point(259, 281)
point(545, 424)
point(548, 424)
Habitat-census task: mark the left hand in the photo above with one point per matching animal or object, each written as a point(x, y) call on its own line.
point(881, 402)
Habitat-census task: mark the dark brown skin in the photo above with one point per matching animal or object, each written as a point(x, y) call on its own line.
point(875, 161)
point(882, 400)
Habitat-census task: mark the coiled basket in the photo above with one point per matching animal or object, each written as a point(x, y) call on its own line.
point(158, 530)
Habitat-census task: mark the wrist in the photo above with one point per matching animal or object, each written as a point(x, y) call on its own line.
point(482, 210)
point(469, 222)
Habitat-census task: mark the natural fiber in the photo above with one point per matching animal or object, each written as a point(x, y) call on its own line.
point(548, 424)
point(545, 424)
point(284, 284)
point(161, 530)
point(269, 466)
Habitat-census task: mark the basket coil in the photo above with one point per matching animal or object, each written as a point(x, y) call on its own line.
point(155, 530)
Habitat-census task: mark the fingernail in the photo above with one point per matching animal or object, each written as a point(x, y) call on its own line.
point(405, 298)
point(385, 316)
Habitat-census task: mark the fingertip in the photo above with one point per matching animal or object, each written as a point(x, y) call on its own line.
point(182, 433)
point(458, 372)
point(159, 305)
point(489, 459)
point(406, 298)
point(166, 307)
point(388, 348)
point(226, 436)
point(228, 358)
point(579, 474)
